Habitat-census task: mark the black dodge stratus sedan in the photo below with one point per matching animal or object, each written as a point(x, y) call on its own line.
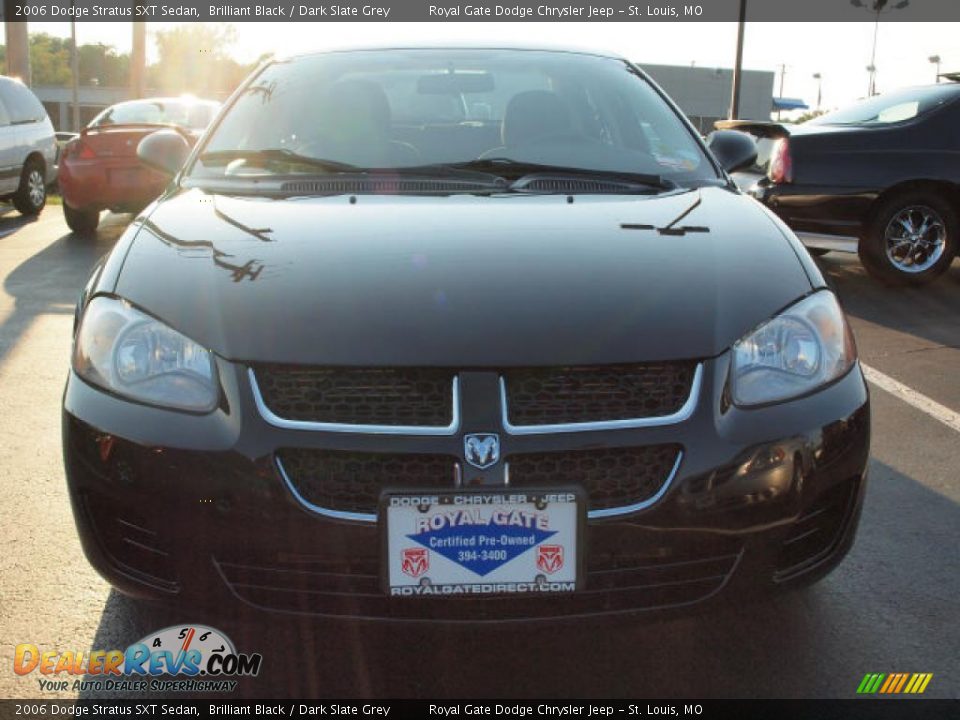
point(460, 334)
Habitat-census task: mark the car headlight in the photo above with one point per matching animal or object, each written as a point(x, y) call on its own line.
point(127, 352)
point(803, 348)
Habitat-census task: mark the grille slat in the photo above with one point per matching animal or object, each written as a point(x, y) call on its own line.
point(612, 477)
point(272, 584)
point(547, 396)
point(352, 482)
point(358, 396)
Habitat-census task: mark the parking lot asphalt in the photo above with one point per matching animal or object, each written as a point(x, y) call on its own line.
point(891, 606)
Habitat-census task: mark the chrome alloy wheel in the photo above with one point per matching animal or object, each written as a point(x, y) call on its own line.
point(36, 189)
point(915, 239)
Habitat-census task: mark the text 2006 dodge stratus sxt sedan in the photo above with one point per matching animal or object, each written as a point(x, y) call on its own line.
point(468, 334)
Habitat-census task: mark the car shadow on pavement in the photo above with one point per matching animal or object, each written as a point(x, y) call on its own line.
point(930, 312)
point(888, 607)
point(11, 221)
point(50, 281)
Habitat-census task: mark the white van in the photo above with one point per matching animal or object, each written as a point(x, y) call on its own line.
point(28, 148)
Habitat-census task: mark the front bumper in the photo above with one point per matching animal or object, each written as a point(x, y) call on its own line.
point(174, 505)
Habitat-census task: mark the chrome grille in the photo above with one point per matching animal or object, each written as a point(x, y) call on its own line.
point(351, 482)
point(392, 397)
point(611, 477)
point(551, 396)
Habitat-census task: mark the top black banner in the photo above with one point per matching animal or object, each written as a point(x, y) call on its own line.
point(483, 10)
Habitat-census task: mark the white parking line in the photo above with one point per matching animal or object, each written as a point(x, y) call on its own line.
point(910, 396)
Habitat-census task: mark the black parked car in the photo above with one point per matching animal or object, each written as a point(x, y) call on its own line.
point(886, 170)
point(483, 323)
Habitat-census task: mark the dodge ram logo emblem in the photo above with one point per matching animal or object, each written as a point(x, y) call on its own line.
point(481, 450)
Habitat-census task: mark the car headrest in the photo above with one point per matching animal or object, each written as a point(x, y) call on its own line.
point(533, 114)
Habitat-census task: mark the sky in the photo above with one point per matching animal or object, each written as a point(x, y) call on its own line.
point(840, 52)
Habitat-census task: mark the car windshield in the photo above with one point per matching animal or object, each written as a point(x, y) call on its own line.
point(192, 114)
point(432, 109)
point(890, 108)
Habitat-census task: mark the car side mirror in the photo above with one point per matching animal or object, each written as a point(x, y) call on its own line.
point(733, 150)
point(164, 151)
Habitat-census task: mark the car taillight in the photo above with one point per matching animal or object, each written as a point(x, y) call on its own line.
point(781, 164)
point(80, 149)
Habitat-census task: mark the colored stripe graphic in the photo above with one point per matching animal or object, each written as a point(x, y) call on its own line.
point(894, 683)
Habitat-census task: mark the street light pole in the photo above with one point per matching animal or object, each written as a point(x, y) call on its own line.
point(872, 87)
point(738, 65)
point(819, 78)
point(877, 7)
point(935, 59)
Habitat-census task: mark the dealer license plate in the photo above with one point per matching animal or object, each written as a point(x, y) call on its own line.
point(482, 543)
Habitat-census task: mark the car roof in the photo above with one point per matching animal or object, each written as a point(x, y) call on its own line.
point(191, 100)
point(528, 47)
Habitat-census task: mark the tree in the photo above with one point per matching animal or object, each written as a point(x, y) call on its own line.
point(809, 116)
point(102, 65)
point(193, 59)
point(49, 59)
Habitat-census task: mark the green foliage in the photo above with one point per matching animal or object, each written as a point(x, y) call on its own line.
point(102, 65)
point(193, 58)
point(810, 115)
point(49, 60)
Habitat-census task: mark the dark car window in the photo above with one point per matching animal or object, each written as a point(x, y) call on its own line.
point(401, 108)
point(193, 114)
point(21, 104)
point(892, 107)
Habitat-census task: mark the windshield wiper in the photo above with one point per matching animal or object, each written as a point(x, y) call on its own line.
point(523, 173)
point(275, 155)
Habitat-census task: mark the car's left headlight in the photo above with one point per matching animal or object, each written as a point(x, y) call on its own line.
point(805, 347)
point(127, 352)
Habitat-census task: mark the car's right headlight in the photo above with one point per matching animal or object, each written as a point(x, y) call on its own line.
point(127, 352)
point(805, 347)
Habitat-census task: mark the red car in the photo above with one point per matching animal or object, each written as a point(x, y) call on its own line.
point(99, 170)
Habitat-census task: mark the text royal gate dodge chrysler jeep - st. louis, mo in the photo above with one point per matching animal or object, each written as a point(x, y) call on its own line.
point(460, 334)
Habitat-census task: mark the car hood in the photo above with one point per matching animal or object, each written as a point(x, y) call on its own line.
point(467, 281)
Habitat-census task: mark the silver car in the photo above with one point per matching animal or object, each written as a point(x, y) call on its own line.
point(28, 148)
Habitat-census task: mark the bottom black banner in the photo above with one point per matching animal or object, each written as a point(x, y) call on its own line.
point(873, 709)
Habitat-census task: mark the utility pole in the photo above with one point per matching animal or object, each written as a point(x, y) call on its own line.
point(75, 80)
point(18, 45)
point(738, 65)
point(819, 78)
point(138, 61)
point(783, 74)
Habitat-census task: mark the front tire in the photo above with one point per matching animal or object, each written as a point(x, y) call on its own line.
point(81, 222)
point(911, 239)
point(31, 195)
